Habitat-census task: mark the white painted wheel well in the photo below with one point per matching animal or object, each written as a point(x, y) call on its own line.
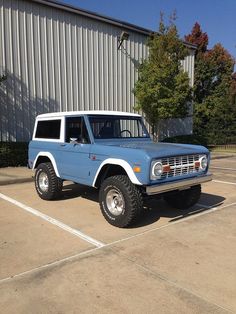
point(123, 164)
point(50, 157)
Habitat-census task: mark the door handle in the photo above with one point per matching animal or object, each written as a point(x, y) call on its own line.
point(63, 144)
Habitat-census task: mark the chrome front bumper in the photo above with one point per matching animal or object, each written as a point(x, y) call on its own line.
point(177, 185)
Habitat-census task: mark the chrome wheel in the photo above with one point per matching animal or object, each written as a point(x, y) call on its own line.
point(115, 202)
point(43, 182)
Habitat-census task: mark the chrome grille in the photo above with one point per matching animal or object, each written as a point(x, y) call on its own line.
point(180, 165)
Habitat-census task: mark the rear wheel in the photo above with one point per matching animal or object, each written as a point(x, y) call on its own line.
point(120, 201)
point(47, 184)
point(184, 199)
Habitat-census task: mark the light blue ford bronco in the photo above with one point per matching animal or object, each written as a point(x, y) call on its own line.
point(112, 151)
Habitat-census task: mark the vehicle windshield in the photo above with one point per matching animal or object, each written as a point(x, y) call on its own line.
point(112, 127)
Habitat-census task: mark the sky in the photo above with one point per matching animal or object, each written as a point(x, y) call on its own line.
point(216, 17)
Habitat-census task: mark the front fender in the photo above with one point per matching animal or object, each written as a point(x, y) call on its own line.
point(120, 162)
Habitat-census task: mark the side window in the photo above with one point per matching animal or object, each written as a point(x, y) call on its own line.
point(48, 129)
point(76, 130)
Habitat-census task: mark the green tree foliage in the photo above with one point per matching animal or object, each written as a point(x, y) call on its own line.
point(214, 90)
point(233, 90)
point(163, 89)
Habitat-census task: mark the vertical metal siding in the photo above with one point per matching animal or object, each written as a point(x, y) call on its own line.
point(59, 61)
point(188, 65)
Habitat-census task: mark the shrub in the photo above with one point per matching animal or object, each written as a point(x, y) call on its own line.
point(186, 139)
point(13, 154)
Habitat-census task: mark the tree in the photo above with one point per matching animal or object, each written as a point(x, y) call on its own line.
point(214, 108)
point(198, 38)
point(163, 89)
point(233, 90)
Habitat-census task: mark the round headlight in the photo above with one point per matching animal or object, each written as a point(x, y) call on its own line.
point(203, 162)
point(157, 169)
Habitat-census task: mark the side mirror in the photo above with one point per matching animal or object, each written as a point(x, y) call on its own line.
point(76, 141)
point(73, 140)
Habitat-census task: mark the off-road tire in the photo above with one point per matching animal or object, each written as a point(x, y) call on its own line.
point(184, 199)
point(131, 197)
point(54, 183)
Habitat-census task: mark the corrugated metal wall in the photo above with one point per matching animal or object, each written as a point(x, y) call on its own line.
point(60, 61)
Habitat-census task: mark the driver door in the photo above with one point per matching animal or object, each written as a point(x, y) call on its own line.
point(75, 151)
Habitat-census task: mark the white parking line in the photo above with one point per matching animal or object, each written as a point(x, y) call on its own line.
point(72, 257)
point(224, 182)
point(210, 210)
point(53, 221)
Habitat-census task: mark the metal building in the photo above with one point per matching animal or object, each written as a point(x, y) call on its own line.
point(60, 58)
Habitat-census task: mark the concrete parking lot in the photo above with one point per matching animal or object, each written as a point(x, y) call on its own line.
point(63, 257)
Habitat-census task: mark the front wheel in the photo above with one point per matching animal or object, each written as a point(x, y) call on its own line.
point(184, 199)
point(120, 201)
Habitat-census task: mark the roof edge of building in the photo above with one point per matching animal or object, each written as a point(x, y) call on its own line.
point(94, 15)
point(103, 18)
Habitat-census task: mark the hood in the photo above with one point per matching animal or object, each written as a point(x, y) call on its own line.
point(156, 150)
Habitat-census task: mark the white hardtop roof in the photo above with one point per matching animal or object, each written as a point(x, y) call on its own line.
point(88, 112)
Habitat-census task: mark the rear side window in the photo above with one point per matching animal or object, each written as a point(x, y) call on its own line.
point(48, 129)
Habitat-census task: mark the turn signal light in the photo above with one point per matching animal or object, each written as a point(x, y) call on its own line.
point(137, 169)
point(197, 164)
point(166, 168)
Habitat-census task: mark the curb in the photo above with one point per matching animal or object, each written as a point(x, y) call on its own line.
point(16, 180)
point(222, 156)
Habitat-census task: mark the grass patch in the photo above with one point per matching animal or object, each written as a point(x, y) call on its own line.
point(223, 148)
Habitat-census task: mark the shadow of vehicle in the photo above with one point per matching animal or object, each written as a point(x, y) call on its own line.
point(153, 209)
point(75, 190)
